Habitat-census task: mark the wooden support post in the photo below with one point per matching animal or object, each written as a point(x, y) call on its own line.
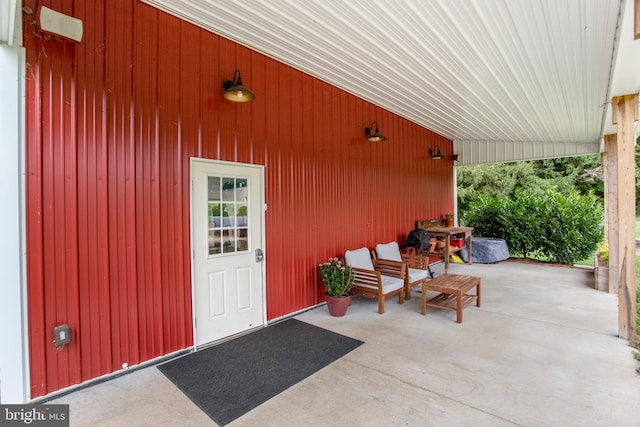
point(609, 160)
point(636, 20)
point(625, 113)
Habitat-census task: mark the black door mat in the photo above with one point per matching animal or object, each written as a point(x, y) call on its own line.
point(229, 379)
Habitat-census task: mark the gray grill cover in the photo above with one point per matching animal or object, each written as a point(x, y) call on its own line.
point(486, 250)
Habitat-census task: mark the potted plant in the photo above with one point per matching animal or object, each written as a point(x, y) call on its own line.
point(601, 267)
point(338, 279)
point(449, 219)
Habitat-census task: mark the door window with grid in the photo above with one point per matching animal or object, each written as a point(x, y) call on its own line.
point(228, 224)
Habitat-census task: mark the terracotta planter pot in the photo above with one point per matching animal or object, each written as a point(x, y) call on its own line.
point(449, 222)
point(338, 305)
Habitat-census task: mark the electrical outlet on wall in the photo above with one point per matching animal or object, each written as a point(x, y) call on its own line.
point(61, 335)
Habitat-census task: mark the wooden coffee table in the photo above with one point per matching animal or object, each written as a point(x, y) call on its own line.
point(453, 295)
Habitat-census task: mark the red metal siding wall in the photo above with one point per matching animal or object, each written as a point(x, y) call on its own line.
point(111, 124)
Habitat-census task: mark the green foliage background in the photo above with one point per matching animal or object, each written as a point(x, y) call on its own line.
point(550, 209)
point(501, 180)
point(562, 228)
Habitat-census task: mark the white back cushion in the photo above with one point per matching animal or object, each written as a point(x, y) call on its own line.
point(389, 251)
point(359, 258)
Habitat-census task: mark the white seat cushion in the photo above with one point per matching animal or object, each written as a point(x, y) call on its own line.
point(359, 258)
point(416, 274)
point(390, 284)
point(389, 251)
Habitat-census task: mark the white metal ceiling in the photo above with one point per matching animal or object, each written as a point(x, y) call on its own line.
point(505, 79)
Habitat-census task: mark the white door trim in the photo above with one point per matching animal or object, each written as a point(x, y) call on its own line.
point(14, 364)
point(192, 231)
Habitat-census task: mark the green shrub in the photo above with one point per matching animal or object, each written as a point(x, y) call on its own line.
point(562, 228)
point(523, 233)
point(486, 216)
point(575, 226)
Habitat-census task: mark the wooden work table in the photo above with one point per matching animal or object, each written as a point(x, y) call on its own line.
point(447, 233)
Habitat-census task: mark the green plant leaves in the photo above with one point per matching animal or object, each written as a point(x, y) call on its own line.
point(563, 228)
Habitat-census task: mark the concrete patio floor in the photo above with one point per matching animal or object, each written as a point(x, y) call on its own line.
point(542, 350)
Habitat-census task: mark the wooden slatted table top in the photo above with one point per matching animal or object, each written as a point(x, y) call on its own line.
point(449, 230)
point(452, 283)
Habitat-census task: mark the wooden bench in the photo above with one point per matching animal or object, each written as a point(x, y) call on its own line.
point(453, 294)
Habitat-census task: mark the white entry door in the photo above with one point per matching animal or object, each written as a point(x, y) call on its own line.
point(226, 217)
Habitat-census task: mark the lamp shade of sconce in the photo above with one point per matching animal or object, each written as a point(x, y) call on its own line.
point(436, 154)
point(376, 136)
point(235, 92)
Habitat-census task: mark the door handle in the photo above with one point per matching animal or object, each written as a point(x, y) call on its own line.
point(259, 255)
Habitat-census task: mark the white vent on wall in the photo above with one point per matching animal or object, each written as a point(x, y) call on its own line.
point(59, 24)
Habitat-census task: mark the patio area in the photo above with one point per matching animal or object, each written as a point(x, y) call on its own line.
point(541, 350)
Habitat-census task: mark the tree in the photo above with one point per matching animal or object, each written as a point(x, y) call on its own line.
point(501, 180)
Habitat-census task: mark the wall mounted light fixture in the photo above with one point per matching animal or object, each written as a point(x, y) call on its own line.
point(375, 136)
point(436, 154)
point(235, 92)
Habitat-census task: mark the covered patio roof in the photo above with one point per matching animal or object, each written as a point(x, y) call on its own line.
point(506, 80)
